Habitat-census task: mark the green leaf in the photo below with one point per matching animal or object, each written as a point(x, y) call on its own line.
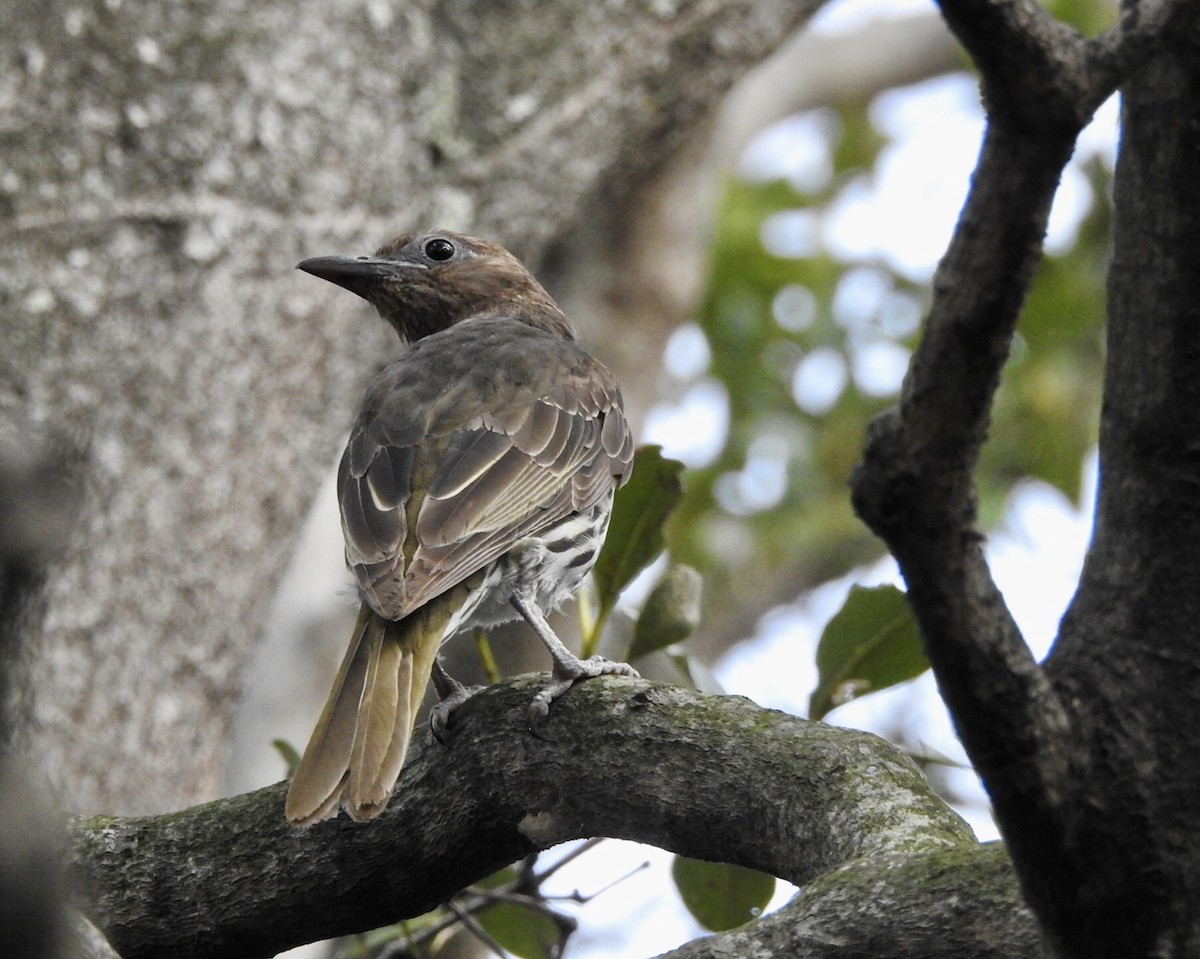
point(719, 895)
point(291, 758)
point(497, 879)
point(671, 612)
point(526, 931)
point(871, 643)
point(635, 532)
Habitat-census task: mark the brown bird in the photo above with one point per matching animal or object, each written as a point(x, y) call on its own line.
point(476, 487)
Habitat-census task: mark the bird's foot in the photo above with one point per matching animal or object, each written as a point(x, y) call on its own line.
point(566, 674)
point(441, 713)
point(451, 695)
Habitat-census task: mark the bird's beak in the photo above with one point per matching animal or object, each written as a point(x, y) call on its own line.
point(358, 274)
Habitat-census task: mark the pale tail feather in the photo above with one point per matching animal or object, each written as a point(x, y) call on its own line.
point(377, 715)
point(359, 746)
point(387, 771)
point(317, 784)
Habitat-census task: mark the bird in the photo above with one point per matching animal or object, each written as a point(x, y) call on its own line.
point(475, 489)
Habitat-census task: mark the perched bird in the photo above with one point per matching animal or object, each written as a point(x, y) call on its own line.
point(476, 487)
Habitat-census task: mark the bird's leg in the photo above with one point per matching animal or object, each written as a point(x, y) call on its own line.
point(451, 694)
point(568, 668)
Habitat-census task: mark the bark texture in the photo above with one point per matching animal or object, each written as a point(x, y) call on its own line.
point(1127, 658)
point(712, 777)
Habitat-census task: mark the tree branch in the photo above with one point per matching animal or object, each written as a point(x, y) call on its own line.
point(969, 895)
point(1126, 655)
point(1030, 62)
point(1039, 73)
point(705, 776)
point(1133, 39)
point(914, 486)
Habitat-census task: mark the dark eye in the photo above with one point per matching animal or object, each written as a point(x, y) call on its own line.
point(439, 248)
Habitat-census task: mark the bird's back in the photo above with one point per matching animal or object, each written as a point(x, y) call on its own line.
point(479, 436)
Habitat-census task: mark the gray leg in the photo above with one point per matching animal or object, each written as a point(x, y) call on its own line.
point(568, 668)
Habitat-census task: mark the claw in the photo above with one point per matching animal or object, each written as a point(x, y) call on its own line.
point(567, 674)
point(451, 695)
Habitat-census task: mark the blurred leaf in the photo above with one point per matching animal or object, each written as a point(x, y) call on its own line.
point(719, 895)
point(671, 612)
point(871, 643)
point(1089, 17)
point(859, 142)
point(635, 532)
point(526, 931)
point(487, 659)
point(499, 878)
point(291, 758)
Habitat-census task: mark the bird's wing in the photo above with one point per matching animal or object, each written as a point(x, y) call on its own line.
point(434, 489)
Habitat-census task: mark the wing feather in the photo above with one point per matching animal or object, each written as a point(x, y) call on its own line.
point(551, 451)
point(320, 779)
point(468, 457)
point(389, 477)
point(433, 488)
point(537, 432)
point(508, 421)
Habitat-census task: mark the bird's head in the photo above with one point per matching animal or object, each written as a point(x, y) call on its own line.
point(427, 281)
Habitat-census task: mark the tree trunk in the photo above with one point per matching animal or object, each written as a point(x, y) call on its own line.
point(164, 169)
point(1127, 657)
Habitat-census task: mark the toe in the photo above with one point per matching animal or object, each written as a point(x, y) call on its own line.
point(441, 715)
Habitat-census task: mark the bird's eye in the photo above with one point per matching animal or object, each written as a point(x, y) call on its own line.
point(439, 248)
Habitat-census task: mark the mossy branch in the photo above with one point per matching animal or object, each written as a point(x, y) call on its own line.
point(705, 776)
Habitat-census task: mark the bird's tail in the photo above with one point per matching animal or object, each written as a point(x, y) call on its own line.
point(357, 750)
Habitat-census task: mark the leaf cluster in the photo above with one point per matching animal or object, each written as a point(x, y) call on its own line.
point(774, 322)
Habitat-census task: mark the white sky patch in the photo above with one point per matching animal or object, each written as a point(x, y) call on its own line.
point(901, 315)
point(694, 429)
point(878, 367)
point(1073, 201)
point(846, 16)
point(794, 308)
point(792, 234)
point(860, 296)
point(687, 353)
point(1099, 138)
point(636, 916)
point(628, 919)
point(819, 380)
point(905, 211)
point(761, 483)
point(796, 149)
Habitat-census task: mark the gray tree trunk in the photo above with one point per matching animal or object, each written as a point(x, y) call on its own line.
point(164, 167)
